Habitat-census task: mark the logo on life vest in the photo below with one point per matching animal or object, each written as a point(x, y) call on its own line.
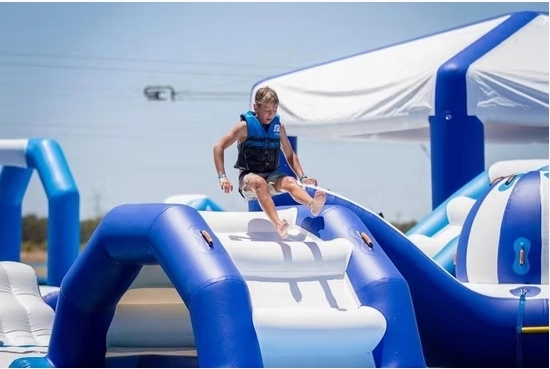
point(277, 128)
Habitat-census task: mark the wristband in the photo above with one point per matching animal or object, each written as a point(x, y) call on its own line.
point(220, 176)
point(302, 178)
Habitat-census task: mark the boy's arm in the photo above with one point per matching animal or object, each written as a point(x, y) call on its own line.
point(238, 132)
point(290, 155)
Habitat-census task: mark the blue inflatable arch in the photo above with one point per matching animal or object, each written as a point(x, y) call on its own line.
point(19, 159)
point(131, 236)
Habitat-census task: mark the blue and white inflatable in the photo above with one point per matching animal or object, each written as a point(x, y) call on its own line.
point(168, 285)
point(228, 288)
point(19, 158)
point(437, 234)
point(496, 312)
point(503, 248)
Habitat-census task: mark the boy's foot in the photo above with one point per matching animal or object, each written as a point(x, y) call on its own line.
point(318, 201)
point(282, 229)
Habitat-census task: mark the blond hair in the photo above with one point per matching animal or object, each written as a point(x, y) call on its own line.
point(266, 95)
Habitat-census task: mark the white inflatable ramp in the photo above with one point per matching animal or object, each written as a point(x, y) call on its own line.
point(305, 311)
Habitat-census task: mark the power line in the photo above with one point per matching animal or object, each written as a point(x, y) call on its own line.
point(139, 60)
point(21, 98)
point(128, 70)
point(42, 88)
point(85, 91)
point(167, 92)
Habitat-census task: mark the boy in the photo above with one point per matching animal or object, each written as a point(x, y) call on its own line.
point(260, 137)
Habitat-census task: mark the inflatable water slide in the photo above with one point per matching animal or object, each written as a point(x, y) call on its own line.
point(167, 285)
point(495, 312)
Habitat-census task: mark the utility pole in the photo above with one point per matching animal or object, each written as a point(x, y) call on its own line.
point(98, 209)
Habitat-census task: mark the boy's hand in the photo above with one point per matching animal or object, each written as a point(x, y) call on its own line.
point(309, 181)
point(226, 185)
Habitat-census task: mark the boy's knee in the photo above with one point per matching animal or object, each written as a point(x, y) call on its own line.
point(257, 183)
point(288, 183)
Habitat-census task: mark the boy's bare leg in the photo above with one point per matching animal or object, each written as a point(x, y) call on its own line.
point(259, 186)
point(298, 193)
point(319, 199)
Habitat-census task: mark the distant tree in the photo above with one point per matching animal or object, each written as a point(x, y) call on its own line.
point(405, 226)
point(87, 228)
point(34, 229)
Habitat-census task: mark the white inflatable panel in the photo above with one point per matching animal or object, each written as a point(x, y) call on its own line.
point(507, 167)
point(238, 222)
point(296, 293)
point(25, 319)
point(327, 338)
point(289, 259)
point(483, 240)
point(46, 290)
point(458, 209)
point(13, 153)
point(428, 245)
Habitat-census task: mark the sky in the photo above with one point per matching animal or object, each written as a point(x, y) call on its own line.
point(75, 72)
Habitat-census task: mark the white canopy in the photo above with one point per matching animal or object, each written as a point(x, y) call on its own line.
point(389, 93)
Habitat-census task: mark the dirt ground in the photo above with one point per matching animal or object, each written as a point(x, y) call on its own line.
point(38, 256)
point(37, 259)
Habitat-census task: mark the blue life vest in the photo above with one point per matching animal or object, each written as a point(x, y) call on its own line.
point(259, 153)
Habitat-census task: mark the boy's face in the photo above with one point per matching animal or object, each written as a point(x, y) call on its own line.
point(265, 112)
